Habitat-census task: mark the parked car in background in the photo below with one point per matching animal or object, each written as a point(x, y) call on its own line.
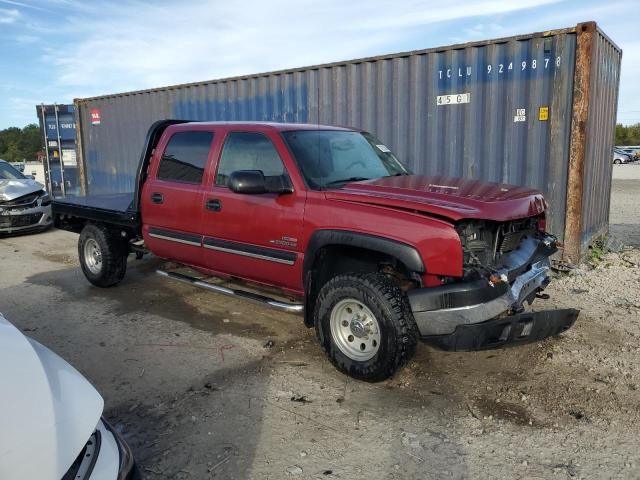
point(51, 418)
point(620, 157)
point(24, 205)
point(632, 151)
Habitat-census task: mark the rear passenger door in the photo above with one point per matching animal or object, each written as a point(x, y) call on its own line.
point(173, 196)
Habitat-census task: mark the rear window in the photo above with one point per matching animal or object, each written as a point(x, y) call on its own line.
point(185, 157)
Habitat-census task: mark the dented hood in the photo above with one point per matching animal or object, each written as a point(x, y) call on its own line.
point(48, 410)
point(448, 197)
point(12, 189)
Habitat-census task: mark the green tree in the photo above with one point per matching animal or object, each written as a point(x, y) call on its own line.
point(628, 134)
point(18, 144)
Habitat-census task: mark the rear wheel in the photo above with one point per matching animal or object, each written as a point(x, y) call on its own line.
point(617, 161)
point(364, 324)
point(103, 255)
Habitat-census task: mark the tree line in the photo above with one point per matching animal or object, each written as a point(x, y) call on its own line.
point(20, 144)
point(628, 134)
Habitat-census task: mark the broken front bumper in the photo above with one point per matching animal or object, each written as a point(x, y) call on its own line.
point(451, 310)
point(508, 331)
point(25, 220)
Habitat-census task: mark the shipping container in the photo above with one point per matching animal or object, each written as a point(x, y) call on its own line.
point(536, 110)
point(58, 131)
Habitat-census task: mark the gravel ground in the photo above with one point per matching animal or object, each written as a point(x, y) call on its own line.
point(188, 379)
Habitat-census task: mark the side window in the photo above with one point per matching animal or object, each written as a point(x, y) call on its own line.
point(248, 151)
point(185, 157)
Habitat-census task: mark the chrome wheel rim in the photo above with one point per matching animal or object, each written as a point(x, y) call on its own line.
point(355, 329)
point(93, 256)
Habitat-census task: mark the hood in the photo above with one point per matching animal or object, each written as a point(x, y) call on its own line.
point(48, 409)
point(12, 189)
point(448, 197)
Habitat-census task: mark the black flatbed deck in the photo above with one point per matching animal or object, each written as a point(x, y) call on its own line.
point(116, 209)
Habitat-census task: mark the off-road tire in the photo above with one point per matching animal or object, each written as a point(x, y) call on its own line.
point(399, 333)
point(114, 253)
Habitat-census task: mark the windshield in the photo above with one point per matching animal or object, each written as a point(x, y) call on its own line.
point(331, 158)
point(7, 172)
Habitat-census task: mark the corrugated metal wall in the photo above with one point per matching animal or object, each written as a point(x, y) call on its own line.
point(603, 102)
point(515, 127)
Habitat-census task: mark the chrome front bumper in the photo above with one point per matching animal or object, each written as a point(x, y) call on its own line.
point(444, 321)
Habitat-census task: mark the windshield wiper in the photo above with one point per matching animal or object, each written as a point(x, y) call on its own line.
point(346, 180)
point(399, 174)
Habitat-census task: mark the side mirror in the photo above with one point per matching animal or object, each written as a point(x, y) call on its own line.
point(254, 182)
point(30, 177)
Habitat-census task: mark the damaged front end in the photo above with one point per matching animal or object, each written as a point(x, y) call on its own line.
point(506, 265)
point(25, 213)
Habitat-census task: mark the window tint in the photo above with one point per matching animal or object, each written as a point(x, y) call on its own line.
point(185, 157)
point(248, 151)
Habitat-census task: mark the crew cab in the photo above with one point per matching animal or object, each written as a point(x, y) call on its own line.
point(375, 257)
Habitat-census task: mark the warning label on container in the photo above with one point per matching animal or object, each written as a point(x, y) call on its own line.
point(521, 115)
point(543, 114)
point(95, 116)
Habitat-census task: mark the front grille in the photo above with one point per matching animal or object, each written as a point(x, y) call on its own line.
point(26, 201)
point(14, 221)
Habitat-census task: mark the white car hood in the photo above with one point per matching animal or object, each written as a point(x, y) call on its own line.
point(48, 410)
point(12, 189)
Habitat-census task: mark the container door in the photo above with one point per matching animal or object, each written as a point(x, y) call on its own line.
point(172, 197)
point(253, 236)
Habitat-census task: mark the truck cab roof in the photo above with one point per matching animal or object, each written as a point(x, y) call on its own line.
point(275, 126)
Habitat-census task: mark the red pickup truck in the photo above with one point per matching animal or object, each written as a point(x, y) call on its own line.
point(377, 258)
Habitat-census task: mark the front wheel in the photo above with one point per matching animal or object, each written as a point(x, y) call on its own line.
point(364, 324)
point(617, 161)
point(103, 255)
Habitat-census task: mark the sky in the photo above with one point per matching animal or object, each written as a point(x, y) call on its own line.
point(58, 50)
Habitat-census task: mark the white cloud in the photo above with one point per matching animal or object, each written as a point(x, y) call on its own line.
point(142, 45)
point(8, 15)
point(115, 46)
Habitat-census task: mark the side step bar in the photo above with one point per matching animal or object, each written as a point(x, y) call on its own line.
point(287, 307)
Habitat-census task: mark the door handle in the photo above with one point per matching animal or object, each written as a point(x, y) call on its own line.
point(214, 205)
point(157, 197)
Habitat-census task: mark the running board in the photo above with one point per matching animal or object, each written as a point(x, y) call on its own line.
point(287, 307)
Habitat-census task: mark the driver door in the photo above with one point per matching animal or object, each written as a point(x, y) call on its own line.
point(253, 236)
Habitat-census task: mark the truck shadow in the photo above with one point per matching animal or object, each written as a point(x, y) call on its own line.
point(209, 430)
point(178, 382)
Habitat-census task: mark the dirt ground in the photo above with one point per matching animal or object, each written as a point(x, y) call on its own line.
point(187, 377)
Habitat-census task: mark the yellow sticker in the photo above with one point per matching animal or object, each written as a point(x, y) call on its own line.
point(543, 114)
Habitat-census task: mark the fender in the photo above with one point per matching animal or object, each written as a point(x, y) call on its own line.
point(407, 254)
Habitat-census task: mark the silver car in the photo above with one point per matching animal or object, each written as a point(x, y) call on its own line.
point(24, 205)
point(620, 157)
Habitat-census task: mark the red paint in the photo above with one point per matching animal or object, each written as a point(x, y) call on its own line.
point(454, 198)
point(95, 116)
point(415, 210)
